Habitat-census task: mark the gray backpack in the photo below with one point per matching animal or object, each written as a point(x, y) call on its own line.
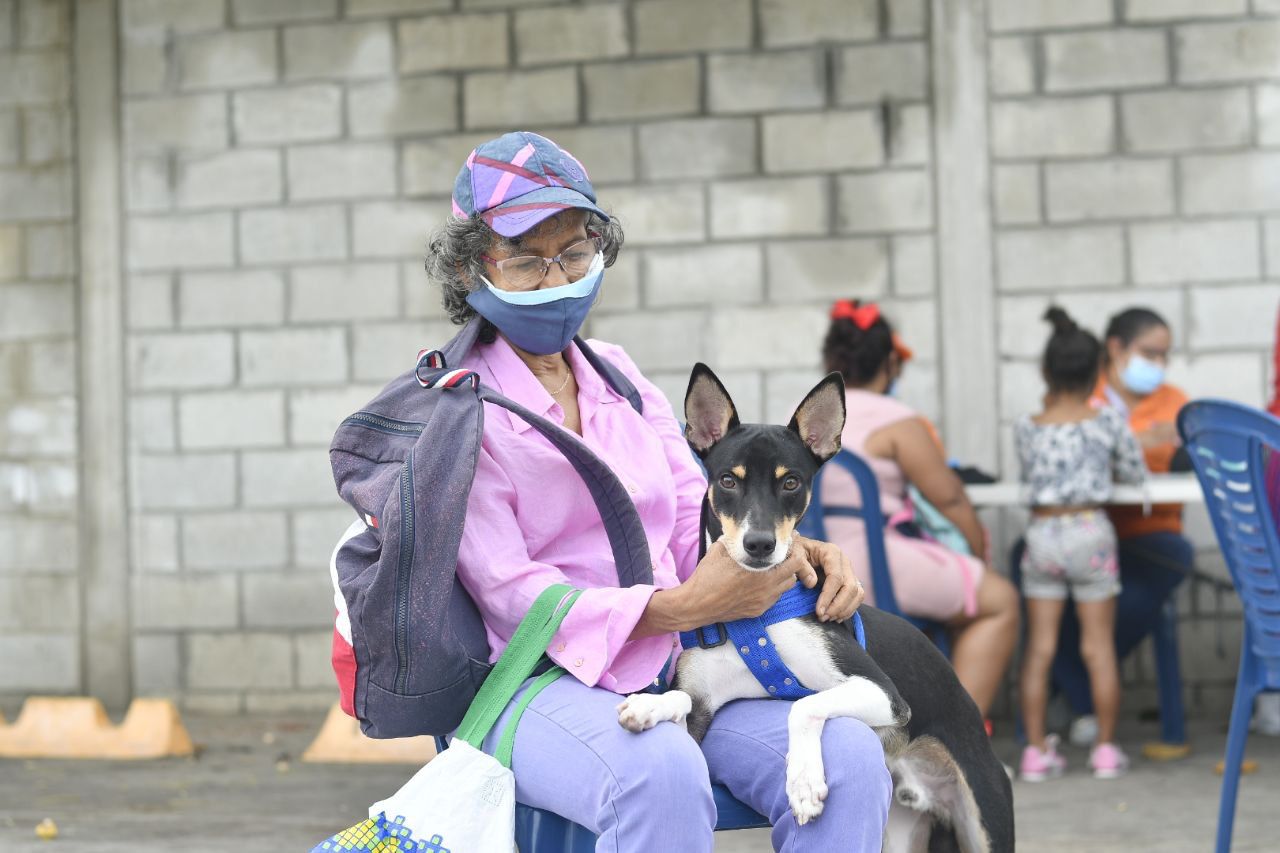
point(410, 650)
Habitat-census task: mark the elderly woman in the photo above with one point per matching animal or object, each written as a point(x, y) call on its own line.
point(526, 250)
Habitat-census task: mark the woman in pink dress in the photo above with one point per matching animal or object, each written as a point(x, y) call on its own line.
point(929, 580)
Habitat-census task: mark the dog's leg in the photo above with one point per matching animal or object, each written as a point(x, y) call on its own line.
point(859, 698)
point(906, 831)
point(642, 711)
point(927, 779)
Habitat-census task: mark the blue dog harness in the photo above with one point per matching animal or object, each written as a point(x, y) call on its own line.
point(757, 650)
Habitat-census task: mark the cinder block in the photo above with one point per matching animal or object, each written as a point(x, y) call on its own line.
point(393, 229)
point(36, 193)
point(235, 298)
point(46, 134)
point(181, 360)
point(910, 135)
point(39, 662)
point(1229, 376)
point(157, 663)
point(769, 207)
point(293, 357)
point(1185, 119)
point(168, 602)
point(825, 270)
point(39, 603)
point(288, 601)
point(151, 422)
point(749, 83)
point(316, 533)
point(914, 265)
point(1053, 258)
point(227, 60)
point(658, 213)
point(1017, 193)
point(908, 17)
point(148, 183)
point(281, 11)
point(1268, 100)
point(1217, 250)
point(658, 340)
point(381, 351)
point(225, 419)
point(237, 661)
point(380, 8)
point(705, 275)
point(1053, 127)
point(235, 541)
point(43, 23)
point(228, 179)
point(884, 201)
point(787, 23)
point(324, 51)
point(1271, 229)
point(33, 78)
point(917, 321)
point(1233, 317)
point(39, 486)
point(314, 414)
point(430, 166)
point(186, 241)
point(1167, 10)
point(566, 34)
point(145, 66)
point(155, 17)
point(349, 170)
point(294, 114)
point(36, 310)
point(33, 544)
point(51, 251)
point(51, 368)
point(1047, 14)
point(506, 99)
point(676, 26)
point(35, 428)
point(697, 148)
point(10, 138)
point(312, 651)
point(1109, 189)
point(411, 106)
point(155, 542)
point(783, 391)
point(621, 291)
point(291, 234)
point(1106, 59)
point(1236, 50)
point(287, 478)
point(896, 71)
point(1247, 182)
point(11, 266)
point(294, 701)
point(453, 42)
point(185, 481)
point(606, 151)
point(822, 142)
point(792, 333)
point(186, 123)
point(344, 292)
point(646, 89)
point(150, 304)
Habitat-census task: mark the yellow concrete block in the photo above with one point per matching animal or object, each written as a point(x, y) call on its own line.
point(78, 727)
point(340, 741)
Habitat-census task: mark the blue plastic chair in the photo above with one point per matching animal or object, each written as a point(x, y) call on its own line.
point(1228, 444)
point(814, 526)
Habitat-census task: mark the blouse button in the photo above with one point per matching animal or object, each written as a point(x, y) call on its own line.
point(560, 647)
point(578, 662)
point(632, 488)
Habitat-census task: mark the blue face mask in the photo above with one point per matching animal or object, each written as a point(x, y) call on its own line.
point(1141, 375)
point(541, 322)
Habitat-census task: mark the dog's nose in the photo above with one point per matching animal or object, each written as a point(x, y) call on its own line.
point(759, 544)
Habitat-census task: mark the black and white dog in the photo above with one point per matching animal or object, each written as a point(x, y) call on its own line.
point(950, 790)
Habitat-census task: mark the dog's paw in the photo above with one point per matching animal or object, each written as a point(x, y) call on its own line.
point(642, 711)
point(806, 788)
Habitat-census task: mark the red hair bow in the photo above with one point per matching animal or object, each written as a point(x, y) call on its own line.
point(863, 315)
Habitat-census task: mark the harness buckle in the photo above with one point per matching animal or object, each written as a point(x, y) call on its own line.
point(702, 636)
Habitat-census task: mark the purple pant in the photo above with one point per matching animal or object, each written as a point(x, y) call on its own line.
point(652, 791)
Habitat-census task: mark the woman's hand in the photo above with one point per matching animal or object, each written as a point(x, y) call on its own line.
point(1158, 434)
point(842, 592)
point(720, 590)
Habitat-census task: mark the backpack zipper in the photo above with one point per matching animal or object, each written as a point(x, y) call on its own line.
point(381, 424)
point(402, 577)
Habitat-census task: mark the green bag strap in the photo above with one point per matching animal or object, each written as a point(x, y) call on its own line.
point(508, 741)
point(528, 644)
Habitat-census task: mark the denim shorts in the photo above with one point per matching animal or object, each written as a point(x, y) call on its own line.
point(1071, 554)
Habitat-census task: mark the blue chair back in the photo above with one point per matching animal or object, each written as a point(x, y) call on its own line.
point(814, 526)
point(1235, 451)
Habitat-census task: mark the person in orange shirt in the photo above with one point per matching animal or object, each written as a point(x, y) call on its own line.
point(1154, 555)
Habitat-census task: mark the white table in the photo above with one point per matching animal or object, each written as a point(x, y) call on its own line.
point(1160, 489)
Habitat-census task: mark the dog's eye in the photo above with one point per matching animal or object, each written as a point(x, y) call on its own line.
point(727, 482)
point(791, 484)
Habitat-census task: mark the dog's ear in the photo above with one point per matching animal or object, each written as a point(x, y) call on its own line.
point(709, 414)
point(820, 418)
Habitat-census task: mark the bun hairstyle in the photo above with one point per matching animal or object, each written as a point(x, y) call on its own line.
point(1073, 356)
point(859, 341)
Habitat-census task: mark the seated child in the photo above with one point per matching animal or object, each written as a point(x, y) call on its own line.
point(1068, 454)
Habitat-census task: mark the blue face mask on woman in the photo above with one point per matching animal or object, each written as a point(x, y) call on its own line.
point(1141, 375)
point(541, 322)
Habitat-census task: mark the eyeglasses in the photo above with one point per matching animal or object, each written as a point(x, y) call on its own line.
point(525, 272)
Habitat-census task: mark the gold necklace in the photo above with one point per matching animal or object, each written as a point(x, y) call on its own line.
point(563, 385)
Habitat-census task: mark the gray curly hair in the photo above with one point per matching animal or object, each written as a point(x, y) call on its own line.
point(454, 253)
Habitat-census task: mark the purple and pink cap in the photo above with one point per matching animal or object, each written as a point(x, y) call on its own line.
point(519, 179)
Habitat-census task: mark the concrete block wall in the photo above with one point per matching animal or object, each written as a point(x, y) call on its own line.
point(39, 601)
point(1133, 163)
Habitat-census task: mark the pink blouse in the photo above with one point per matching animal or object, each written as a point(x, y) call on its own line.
point(532, 522)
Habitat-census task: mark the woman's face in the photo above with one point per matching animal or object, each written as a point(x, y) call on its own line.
point(1153, 344)
point(562, 236)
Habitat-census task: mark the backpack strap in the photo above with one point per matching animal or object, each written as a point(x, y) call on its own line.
point(617, 380)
